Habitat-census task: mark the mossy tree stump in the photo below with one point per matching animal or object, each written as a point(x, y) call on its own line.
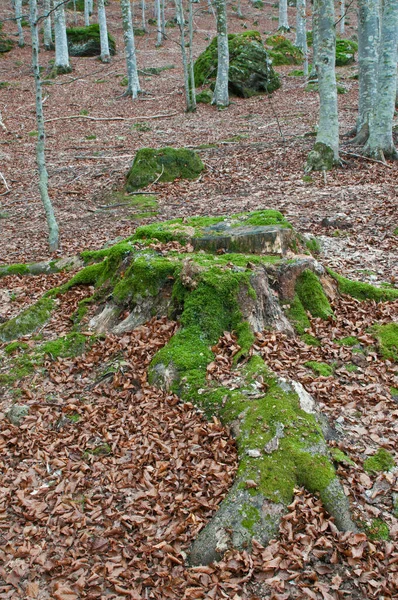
point(279, 431)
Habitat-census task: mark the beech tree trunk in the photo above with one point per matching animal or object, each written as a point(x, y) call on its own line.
point(48, 36)
point(159, 36)
point(301, 32)
point(368, 51)
point(380, 144)
point(105, 54)
point(18, 18)
point(86, 13)
point(61, 41)
point(221, 95)
point(326, 151)
point(342, 16)
point(133, 84)
point(283, 24)
point(53, 237)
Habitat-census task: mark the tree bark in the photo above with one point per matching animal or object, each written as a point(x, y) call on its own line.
point(53, 233)
point(62, 64)
point(221, 95)
point(86, 13)
point(326, 151)
point(301, 32)
point(105, 54)
point(159, 36)
point(18, 18)
point(380, 144)
point(283, 24)
point(133, 84)
point(48, 36)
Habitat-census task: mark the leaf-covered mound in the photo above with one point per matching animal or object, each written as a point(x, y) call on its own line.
point(250, 70)
point(164, 164)
point(85, 41)
point(282, 51)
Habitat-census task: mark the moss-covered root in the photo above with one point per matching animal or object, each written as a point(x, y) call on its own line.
point(28, 320)
point(51, 266)
point(321, 158)
point(280, 446)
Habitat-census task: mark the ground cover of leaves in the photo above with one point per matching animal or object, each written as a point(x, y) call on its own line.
point(107, 481)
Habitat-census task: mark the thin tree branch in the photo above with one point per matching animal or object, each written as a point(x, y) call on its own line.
point(164, 116)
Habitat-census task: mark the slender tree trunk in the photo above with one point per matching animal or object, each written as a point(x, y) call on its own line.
point(301, 32)
point(86, 13)
point(90, 6)
point(105, 54)
point(181, 24)
point(143, 17)
point(315, 19)
point(221, 96)
point(368, 51)
point(53, 237)
point(192, 90)
point(18, 18)
point(159, 36)
point(133, 85)
point(239, 9)
point(326, 151)
point(48, 36)
point(61, 41)
point(283, 23)
point(380, 143)
point(342, 16)
point(163, 22)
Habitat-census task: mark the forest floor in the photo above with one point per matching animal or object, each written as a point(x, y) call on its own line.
point(78, 523)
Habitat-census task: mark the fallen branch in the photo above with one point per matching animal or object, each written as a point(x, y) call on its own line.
point(5, 183)
point(158, 177)
point(380, 162)
point(82, 157)
point(164, 116)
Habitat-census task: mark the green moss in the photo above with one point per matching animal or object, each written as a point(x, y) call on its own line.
point(249, 70)
point(71, 344)
point(146, 275)
point(87, 276)
point(321, 158)
point(165, 164)
point(6, 44)
point(250, 517)
point(381, 461)
point(15, 347)
point(387, 340)
point(311, 295)
point(85, 41)
point(204, 97)
point(351, 368)
point(363, 291)
point(345, 52)
point(101, 450)
point(297, 315)
point(28, 320)
point(310, 340)
point(394, 391)
point(395, 232)
point(347, 341)
point(73, 417)
point(262, 218)
point(313, 246)
point(377, 530)
point(283, 52)
point(296, 73)
point(17, 269)
point(340, 457)
point(320, 368)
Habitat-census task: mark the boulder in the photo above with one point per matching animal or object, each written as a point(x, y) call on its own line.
point(345, 52)
point(282, 51)
point(250, 70)
point(164, 164)
point(85, 41)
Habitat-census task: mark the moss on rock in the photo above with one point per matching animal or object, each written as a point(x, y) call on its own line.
point(28, 320)
point(311, 295)
point(165, 164)
point(283, 52)
point(85, 41)
point(250, 71)
point(387, 340)
point(381, 461)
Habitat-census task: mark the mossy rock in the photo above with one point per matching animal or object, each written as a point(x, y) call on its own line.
point(85, 41)
point(379, 462)
point(387, 340)
point(345, 52)
point(250, 70)
point(76, 4)
point(204, 97)
point(283, 52)
point(6, 44)
point(165, 164)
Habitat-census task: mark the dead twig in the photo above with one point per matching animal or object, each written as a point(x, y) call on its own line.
point(82, 157)
point(163, 116)
point(380, 162)
point(5, 183)
point(157, 178)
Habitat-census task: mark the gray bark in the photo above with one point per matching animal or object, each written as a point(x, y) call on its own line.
point(53, 237)
point(143, 17)
point(342, 16)
point(368, 49)
point(18, 18)
point(301, 32)
point(181, 24)
point(86, 13)
point(105, 54)
point(48, 36)
point(192, 91)
point(159, 37)
point(326, 151)
point(221, 96)
point(380, 144)
point(61, 42)
point(283, 23)
point(163, 23)
point(133, 85)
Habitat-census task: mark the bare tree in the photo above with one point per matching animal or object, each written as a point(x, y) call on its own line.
point(221, 96)
point(61, 41)
point(326, 150)
point(87, 13)
point(105, 54)
point(283, 23)
point(18, 18)
point(301, 32)
point(53, 237)
point(47, 31)
point(133, 84)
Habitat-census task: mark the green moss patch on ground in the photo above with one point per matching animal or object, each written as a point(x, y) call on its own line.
point(320, 368)
point(6, 43)
point(381, 461)
point(387, 340)
point(377, 530)
point(165, 164)
point(283, 52)
point(28, 320)
point(250, 71)
point(347, 341)
point(85, 41)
